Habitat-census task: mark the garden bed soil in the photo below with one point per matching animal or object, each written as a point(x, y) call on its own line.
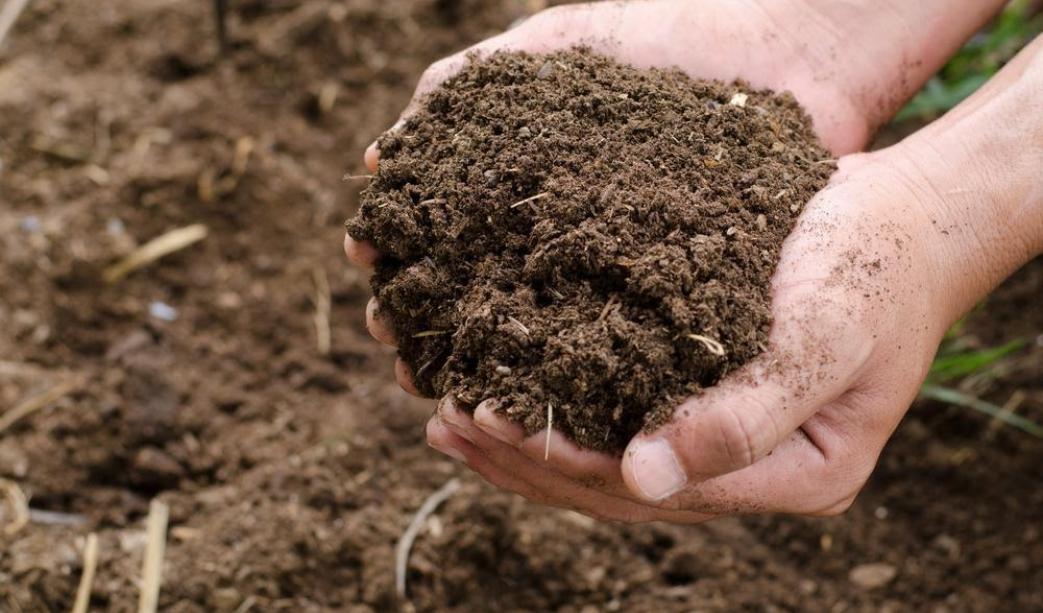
point(290, 473)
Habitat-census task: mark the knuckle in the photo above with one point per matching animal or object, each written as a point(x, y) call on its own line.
point(746, 433)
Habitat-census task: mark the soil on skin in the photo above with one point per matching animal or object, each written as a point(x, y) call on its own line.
point(291, 474)
point(562, 233)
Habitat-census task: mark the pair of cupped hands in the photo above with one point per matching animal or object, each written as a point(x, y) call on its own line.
point(879, 265)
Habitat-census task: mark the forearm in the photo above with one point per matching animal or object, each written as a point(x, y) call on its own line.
point(981, 167)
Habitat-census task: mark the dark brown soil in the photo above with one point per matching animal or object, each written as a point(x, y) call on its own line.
point(563, 233)
point(291, 474)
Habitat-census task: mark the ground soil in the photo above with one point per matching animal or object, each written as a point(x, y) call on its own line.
point(290, 474)
point(583, 241)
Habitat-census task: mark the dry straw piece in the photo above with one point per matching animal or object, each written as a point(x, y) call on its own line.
point(9, 14)
point(90, 564)
point(155, 550)
point(36, 403)
point(161, 246)
point(19, 504)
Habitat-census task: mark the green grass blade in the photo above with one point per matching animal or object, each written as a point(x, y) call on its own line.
point(959, 365)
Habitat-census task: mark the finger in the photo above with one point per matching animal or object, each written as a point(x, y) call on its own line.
point(816, 355)
point(405, 379)
point(796, 478)
point(360, 253)
point(440, 437)
point(372, 157)
point(496, 457)
point(378, 328)
point(589, 468)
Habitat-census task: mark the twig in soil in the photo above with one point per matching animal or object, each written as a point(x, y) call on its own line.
point(38, 402)
point(530, 199)
point(347, 178)
point(155, 549)
point(163, 245)
point(322, 311)
point(520, 325)
point(90, 563)
point(711, 345)
point(9, 14)
point(405, 543)
point(19, 504)
point(550, 425)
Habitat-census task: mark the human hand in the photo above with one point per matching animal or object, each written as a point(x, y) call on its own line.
point(829, 392)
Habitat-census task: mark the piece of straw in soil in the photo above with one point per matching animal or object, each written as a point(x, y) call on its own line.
point(90, 563)
point(155, 550)
point(405, 543)
point(163, 245)
point(323, 303)
point(9, 14)
point(550, 426)
point(19, 504)
point(36, 403)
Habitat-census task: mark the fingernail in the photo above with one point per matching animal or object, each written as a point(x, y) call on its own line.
point(492, 425)
point(657, 473)
point(451, 415)
point(451, 452)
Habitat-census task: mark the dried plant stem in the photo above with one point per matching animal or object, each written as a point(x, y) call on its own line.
point(405, 543)
point(36, 403)
point(323, 303)
point(161, 246)
point(155, 550)
point(19, 504)
point(90, 564)
point(9, 14)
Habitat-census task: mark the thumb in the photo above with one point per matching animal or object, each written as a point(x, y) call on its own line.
point(741, 419)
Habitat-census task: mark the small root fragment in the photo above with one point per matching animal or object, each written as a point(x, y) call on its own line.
point(530, 199)
point(520, 325)
point(711, 345)
point(427, 333)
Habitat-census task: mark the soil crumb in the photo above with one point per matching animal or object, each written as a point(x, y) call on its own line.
point(565, 231)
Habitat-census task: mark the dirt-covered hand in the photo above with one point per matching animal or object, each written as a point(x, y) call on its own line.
point(799, 429)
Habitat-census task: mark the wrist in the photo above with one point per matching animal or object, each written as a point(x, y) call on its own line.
point(978, 170)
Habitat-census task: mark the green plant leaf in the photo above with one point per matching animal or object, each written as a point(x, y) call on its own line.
point(947, 367)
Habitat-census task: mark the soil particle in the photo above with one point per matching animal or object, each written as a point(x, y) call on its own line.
point(566, 230)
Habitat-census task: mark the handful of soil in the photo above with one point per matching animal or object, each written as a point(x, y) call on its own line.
point(566, 234)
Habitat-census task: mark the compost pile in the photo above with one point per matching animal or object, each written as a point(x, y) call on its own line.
point(569, 235)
